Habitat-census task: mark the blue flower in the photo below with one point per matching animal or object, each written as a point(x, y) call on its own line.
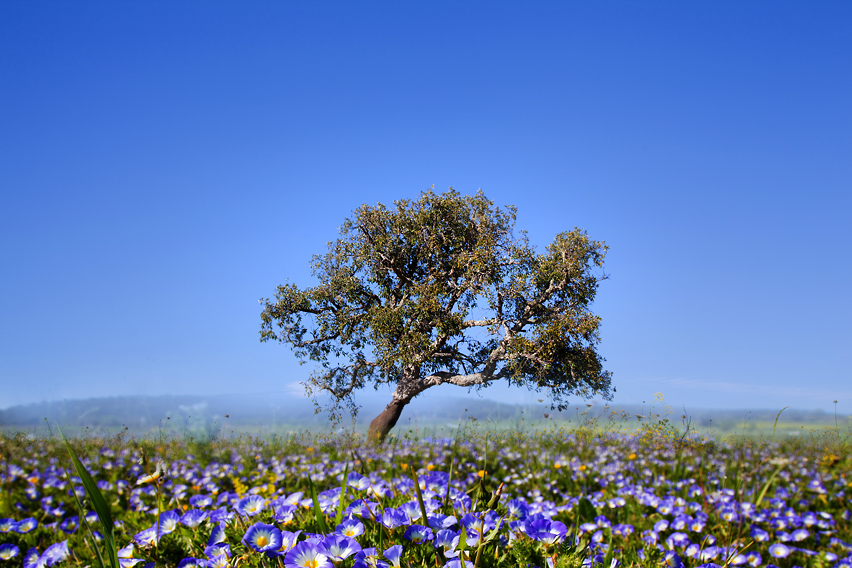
point(69, 525)
point(779, 550)
point(217, 535)
point(193, 518)
point(7, 525)
point(56, 553)
point(547, 531)
point(284, 513)
point(288, 540)
point(677, 540)
point(672, 560)
point(26, 525)
point(168, 522)
point(393, 554)
point(438, 521)
point(339, 547)
point(33, 560)
point(8, 551)
point(218, 550)
point(146, 537)
point(263, 538)
point(447, 540)
point(220, 561)
point(201, 501)
point(192, 563)
point(457, 563)
point(250, 506)
point(350, 528)
point(418, 534)
point(411, 510)
point(357, 481)
point(306, 555)
point(391, 518)
point(758, 534)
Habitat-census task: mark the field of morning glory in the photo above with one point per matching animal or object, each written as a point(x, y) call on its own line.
point(561, 497)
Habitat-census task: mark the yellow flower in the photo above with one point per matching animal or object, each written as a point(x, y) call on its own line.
point(583, 467)
point(557, 465)
point(631, 457)
point(481, 473)
point(430, 467)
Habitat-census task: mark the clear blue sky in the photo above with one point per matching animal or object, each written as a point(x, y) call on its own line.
point(163, 165)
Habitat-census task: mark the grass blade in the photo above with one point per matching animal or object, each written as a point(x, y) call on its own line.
point(322, 525)
point(341, 504)
point(776, 421)
point(100, 505)
point(419, 496)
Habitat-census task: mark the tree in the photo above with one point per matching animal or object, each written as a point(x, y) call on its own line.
point(440, 290)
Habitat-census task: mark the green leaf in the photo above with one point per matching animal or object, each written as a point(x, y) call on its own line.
point(341, 504)
point(322, 525)
point(100, 505)
point(462, 545)
point(587, 510)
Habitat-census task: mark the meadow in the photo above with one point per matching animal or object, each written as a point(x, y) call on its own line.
point(586, 494)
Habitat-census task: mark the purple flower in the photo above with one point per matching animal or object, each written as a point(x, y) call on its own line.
point(284, 513)
point(8, 551)
point(457, 563)
point(68, 526)
point(33, 560)
point(56, 553)
point(201, 501)
point(779, 550)
point(288, 540)
point(306, 555)
point(217, 535)
point(218, 550)
point(26, 525)
point(418, 534)
point(672, 560)
point(758, 534)
point(146, 537)
point(193, 518)
point(350, 528)
point(393, 554)
point(338, 547)
point(168, 522)
point(250, 506)
point(546, 531)
point(391, 518)
point(192, 563)
point(220, 561)
point(263, 538)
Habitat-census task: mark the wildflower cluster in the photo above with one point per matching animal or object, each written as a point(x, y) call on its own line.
point(567, 500)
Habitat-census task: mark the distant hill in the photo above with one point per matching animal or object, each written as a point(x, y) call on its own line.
point(207, 415)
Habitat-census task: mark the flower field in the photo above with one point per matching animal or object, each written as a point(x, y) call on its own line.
point(556, 498)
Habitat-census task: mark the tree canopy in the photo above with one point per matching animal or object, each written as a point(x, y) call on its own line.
point(441, 290)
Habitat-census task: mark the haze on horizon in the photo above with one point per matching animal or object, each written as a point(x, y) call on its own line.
point(165, 166)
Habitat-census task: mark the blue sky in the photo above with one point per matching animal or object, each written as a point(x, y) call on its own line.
point(165, 165)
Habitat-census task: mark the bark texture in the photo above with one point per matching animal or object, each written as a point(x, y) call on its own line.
point(384, 422)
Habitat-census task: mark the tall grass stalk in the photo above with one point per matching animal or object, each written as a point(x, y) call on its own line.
point(100, 505)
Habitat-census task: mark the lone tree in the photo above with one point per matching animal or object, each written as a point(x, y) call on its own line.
point(440, 290)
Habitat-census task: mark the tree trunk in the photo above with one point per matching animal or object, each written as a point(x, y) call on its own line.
point(382, 424)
